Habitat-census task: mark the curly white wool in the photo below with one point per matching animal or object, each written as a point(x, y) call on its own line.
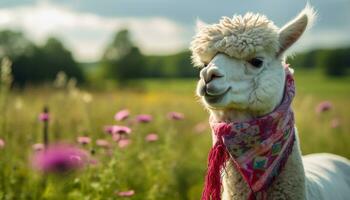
point(240, 37)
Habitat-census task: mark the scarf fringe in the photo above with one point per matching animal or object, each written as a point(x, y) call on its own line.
point(217, 158)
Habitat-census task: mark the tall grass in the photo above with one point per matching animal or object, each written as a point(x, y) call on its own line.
point(170, 168)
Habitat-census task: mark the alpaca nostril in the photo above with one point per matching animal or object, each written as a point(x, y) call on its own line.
point(212, 74)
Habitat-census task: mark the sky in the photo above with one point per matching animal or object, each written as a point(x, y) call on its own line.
point(160, 26)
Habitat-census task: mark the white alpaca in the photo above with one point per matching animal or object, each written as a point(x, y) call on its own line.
point(243, 77)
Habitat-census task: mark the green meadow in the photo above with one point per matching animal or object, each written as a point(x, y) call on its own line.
point(172, 167)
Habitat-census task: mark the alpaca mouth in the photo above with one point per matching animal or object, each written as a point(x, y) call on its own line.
point(210, 98)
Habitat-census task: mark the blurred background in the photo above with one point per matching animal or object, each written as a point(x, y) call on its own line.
point(85, 60)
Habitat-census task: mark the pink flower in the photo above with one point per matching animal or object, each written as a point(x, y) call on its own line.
point(116, 137)
point(122, 129)
point(335, 123)
point(38, 147)
point(152, 137)
point(122, 115)
point(176, 116)
point(323, 107)
point(108, 129)
point(127, 193)
point(2, 143)
point(117, 129)
point(44, 117)
point(124, 143)
point(143, 118)
point(59, 159)
point(83, 140)
point(102, 143)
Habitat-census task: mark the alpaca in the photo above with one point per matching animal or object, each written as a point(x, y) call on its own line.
point(243, 77)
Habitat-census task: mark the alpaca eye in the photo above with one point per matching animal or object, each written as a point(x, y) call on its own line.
point(256, 62)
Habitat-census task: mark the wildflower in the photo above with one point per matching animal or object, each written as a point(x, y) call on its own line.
point(143, 118)
point(124, 143)
point(152, 137)
point(122, 129)
point(116, 137)
point(108, 129)
point(102, 143)
point(122, 115)
point(335, 123)
point(59, 159)
point(44, 117)
point(175, 116)
point(117, 129)
point(127, 193)
point(38, 147)
point(83, 140)
point(323, 107)
point(2, 143)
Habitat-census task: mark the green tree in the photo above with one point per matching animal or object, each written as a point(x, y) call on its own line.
point(337, 62)
point(122, 60)
point(35, 64)
point(58, 58)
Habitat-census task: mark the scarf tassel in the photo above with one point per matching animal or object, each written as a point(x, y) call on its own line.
point(217, 158)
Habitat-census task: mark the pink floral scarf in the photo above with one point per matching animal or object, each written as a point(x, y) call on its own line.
point(259, 148)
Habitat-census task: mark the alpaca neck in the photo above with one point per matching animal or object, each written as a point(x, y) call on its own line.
point(290, 183)
point(230, 115)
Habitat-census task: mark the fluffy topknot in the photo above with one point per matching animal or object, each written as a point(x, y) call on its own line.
point(240, 37)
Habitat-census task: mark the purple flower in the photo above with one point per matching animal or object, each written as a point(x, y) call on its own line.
point(175, 116)
point(102, 143)
point(127, 193)
point(2, 143)
point(116, 137)
point(83, 140)
point(122, 115)
point(143, 118)
point(323, 107)
point(124, 143)
point(38, 147)
point(59, 159)
point(152, 137)
point(44, 117)
point(117, 129)
point(121, 129)
point(108, 129)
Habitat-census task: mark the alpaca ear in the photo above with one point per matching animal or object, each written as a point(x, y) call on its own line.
point(292, 31)
point(200, 24)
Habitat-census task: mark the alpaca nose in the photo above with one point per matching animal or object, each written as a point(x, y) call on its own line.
point(211, 74)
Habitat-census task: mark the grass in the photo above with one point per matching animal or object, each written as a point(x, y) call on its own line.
point(172, 167)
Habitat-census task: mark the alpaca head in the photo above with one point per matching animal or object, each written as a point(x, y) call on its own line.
point(241, 61)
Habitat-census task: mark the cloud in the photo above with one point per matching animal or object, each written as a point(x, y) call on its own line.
point(87, 34)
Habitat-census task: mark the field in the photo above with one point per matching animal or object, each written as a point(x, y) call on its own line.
point(171, 167)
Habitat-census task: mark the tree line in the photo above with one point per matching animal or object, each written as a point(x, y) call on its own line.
point(35, 64)
point(334, 62)
point(123, 61)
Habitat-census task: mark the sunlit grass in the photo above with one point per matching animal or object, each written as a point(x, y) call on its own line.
point(170, 168)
